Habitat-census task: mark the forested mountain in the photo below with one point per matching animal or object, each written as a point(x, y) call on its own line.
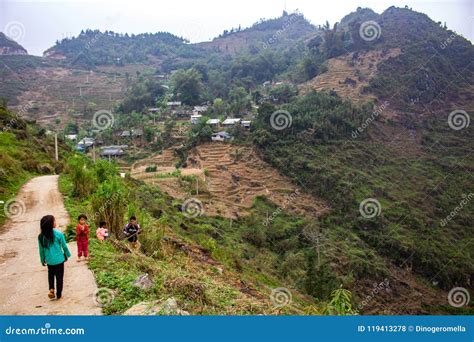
point(10, 47)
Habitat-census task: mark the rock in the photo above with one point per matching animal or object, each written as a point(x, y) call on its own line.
point(169, 307)
point(144, 282)
point(143, 309)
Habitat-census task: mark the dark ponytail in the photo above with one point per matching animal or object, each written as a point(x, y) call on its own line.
point(46, 238)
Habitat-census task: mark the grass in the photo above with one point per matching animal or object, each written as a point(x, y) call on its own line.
point(25, 152)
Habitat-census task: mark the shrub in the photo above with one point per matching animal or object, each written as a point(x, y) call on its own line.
point(82, 176)
point(109, 204)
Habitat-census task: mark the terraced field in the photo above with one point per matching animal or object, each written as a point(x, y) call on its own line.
point(232, 178)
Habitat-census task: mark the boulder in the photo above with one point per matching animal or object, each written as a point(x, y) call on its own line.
point(168, 308)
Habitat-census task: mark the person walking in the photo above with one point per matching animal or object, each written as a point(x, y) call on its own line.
point(53, 253)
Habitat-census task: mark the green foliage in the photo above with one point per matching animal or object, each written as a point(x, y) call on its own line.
point(24, 152)
point(187, 86)
point(340, 303)
point(144, 93)
point(82, 175)
point(150, 169)
point(93, 47)
point(109, 204)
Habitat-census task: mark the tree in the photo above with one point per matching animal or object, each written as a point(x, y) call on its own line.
point(239, 100)
point(187, 86)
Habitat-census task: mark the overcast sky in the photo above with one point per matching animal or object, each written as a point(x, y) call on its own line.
point(38, 24)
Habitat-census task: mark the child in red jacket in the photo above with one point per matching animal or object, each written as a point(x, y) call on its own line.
point(82, 237)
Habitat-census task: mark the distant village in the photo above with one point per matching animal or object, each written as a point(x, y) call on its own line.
point(176, 110)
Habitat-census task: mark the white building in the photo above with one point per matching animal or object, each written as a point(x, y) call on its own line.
point(195, 119)
point(213, 122)
point(230, 122)
point(72, 137)
point(245, 123)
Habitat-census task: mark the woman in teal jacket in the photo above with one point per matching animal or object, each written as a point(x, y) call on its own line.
point(53, 253)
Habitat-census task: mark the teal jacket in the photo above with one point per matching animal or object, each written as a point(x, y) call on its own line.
point(57, 252)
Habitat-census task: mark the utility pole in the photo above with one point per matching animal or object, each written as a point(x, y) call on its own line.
point(56, 146)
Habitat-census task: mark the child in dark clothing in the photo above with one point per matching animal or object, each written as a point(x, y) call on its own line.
point(82, 238)
point(131, 230)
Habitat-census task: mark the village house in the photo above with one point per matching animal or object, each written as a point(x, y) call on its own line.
point(173, 104)
point(72, 137)
point(111, 152)
point(221, 136)
point(195, 119)
point(153, 110)
point(230, 122)
point(138, 132)
point(246, 123)
point(84, 144)
point(183, 114)
point(214, 123)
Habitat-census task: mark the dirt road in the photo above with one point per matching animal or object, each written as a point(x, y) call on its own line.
point(23, 280)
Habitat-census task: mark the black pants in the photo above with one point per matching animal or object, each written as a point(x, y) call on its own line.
point(58, 272)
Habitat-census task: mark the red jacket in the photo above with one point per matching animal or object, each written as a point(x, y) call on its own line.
point(82, 235)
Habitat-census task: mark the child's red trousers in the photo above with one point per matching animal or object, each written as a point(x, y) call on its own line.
point(83, 248)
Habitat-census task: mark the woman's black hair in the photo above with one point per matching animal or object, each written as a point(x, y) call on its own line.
point(102, 224)
point(46, 237)
point(133, 218)
point(82, 216)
